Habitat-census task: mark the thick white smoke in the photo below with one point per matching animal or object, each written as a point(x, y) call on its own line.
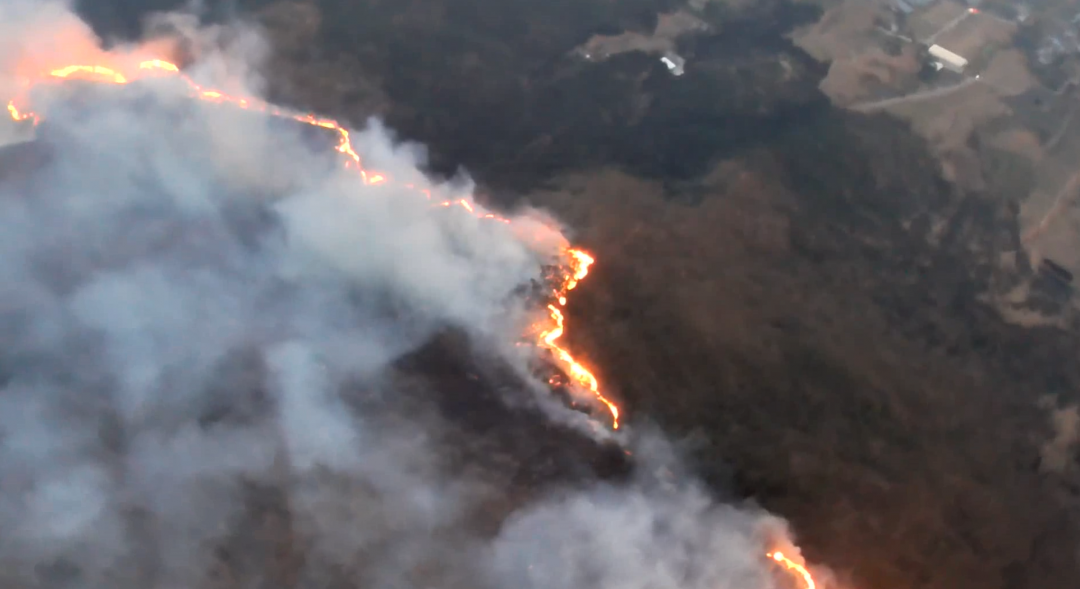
point(190, 299)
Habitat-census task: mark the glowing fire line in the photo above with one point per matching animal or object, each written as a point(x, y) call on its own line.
point(579, 265)
point(578, 261)
point(794, 568)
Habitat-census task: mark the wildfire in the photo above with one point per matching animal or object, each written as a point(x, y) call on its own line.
point(796, 569)
point(91, 72)
point(18, 115)
point(579, 269)
point(576, 265)
point(574, 269)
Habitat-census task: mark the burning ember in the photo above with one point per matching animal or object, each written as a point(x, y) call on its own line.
point(573, 267)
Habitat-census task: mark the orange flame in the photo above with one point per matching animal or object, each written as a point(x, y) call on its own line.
point(92, 72)
point(159, 64)
point(579, 266)
point(578, 261)
point(17, 115)
point(796, 569)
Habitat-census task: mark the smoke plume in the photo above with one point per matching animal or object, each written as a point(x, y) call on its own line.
point(194, 302)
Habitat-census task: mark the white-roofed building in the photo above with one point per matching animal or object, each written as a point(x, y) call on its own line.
point(948, 59)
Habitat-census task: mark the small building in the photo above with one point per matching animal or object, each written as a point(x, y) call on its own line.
point(948, 59)
point(674, 62)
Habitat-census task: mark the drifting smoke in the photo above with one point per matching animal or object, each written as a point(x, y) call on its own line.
point(192, 299)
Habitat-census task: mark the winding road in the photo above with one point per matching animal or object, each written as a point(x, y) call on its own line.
point(916, 97)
